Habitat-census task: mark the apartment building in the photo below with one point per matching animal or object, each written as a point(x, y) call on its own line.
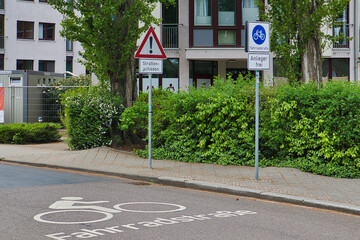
point(30, 39)
point(203, 38)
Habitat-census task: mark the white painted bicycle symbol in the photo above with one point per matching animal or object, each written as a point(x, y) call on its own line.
point(74, 204)
point(259, 34)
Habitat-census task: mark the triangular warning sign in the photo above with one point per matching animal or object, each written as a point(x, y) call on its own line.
point(150, 47)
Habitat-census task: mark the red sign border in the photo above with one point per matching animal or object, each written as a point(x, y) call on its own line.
point(150, 56)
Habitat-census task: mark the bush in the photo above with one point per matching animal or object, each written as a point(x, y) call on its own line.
point(23, 133)
point(89, 115)
point(52, 95)
point(316, 130)
point(203, 125)
point(312, 129)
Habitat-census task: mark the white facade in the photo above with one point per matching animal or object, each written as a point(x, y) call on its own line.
point(199, 42)
point(190, 49)
point(35, 49)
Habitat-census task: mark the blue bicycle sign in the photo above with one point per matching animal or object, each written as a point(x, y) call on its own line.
point(259, 34)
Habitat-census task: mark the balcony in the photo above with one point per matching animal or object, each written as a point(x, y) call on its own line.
point(341, 30)
point(170, 36)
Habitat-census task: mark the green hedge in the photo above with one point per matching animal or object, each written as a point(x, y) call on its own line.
point(89, 114)
point(23, 133)
point(315, 130)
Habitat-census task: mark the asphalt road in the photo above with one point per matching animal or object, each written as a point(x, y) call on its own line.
point(39, 203)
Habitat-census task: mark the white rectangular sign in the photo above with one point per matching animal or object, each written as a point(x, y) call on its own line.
point(258, 61)
point(258, 37)
point(2, 116)
point(150, 66)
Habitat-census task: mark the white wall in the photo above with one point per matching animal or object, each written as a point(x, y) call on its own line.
point(35, 49)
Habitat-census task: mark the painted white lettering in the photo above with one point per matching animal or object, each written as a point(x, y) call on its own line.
point(83, 235)
point(243, 212)
point(129, 226)
point(201, 217)
point(164, 221)
point(150, 224)
point(182, 219)
point(98, 231)
point(54, 236)
point(116, 230)
point(223, 214)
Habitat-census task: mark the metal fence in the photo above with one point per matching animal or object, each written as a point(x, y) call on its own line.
point(341, 30)
point(33, 104)
point(170, 35)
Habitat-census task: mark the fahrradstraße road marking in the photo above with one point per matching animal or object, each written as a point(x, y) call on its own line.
point(76, 205)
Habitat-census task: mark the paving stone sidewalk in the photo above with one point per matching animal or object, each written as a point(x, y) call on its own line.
point(279, 184)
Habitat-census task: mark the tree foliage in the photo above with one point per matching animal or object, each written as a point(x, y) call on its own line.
point(108, 31)
point(297, 38)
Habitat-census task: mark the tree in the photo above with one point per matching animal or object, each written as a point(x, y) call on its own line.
point(108, 31)
point(297, 38)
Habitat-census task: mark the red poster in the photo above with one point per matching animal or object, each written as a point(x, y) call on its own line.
point(2, 97)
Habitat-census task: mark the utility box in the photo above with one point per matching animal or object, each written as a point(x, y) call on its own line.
point(23, 99)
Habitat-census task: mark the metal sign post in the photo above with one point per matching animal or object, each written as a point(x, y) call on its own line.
point(149, 52)
point(150, 121)
point(257, 126)
point(258, 46)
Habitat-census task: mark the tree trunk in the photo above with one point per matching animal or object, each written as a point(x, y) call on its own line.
point(311, 66)
point(125, 84)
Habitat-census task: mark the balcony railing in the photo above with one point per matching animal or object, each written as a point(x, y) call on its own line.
point(170, 35)
point(341, 31)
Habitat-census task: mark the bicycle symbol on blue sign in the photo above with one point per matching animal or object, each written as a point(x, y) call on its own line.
point(259, 34)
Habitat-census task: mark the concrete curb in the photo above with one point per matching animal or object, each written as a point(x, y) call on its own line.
point(219, 188)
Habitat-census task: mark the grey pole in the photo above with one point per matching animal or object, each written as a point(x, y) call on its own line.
point(257, 126)
point(150, 112)
point(356, 35)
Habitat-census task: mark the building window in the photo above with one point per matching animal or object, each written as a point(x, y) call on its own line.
point(46, 31)
point(226, 13)
point(250, 12)
point(2, 31)
point(336, 69)
point(341, 30)
point(227, 37)
point(69, 45)
point(45, 1)
point(171, 68)
point(202, 12)
point(69, 66)
point(46, 66)
point(24, 64)
point(203, 37)
point(25, 30)
point(215, 23)
point(1, 4)
point(1, 61)
point(170, 26)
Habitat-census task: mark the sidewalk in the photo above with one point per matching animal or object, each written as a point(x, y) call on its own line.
point(278, 184)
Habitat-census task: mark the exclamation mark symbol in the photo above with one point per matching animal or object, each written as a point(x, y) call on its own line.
point(151, 40)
